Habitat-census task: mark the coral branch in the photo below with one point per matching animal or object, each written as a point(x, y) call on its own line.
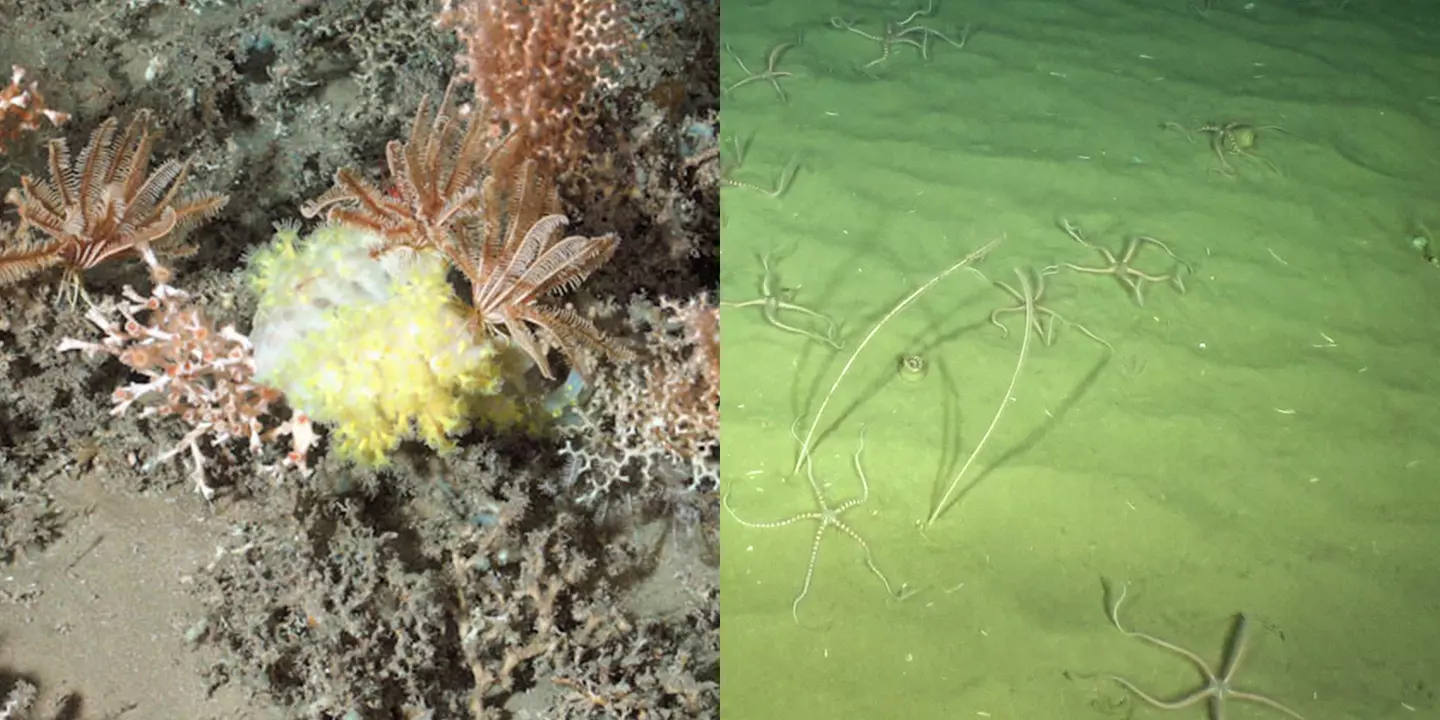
point(653, 427)
point(22, 108)
point(193, 371)
point(538, 66)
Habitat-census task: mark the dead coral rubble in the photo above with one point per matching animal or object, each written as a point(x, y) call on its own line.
point(515, 607)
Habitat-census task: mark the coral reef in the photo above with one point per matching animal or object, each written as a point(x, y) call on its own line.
point(650, 434)
point(491, 582)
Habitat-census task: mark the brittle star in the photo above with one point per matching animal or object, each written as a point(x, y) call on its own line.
point(774, 299)
point(770, 73)
point(828, 517)
point(899, 32)
point(1217, 687)
point(1043, 319)
point(740, 148)
point(1131, 278)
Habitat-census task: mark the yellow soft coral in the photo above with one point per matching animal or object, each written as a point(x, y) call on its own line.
point(380, 348)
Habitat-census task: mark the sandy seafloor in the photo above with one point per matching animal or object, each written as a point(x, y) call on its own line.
point(1265, 443)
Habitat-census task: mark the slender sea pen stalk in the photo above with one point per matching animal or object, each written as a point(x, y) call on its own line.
point(1029, 294)
point(967, 260)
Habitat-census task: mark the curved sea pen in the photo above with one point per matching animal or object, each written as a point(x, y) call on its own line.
point(967, 260)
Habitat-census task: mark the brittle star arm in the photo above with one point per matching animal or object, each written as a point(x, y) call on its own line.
point(770, 307)
point(1044, 319)
point(840, 23)
point(774, 299)
point(828, 517)
point(770, 73)
point(1131, 278)
point(1217, 686)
